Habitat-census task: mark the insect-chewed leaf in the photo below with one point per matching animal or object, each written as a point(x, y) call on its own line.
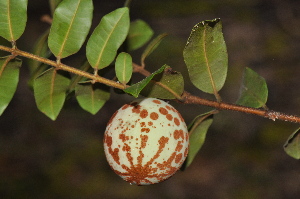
point(206, 56)
point(163, 82)
point(9, 78)
point(71, 23)
point(139, 34)
point(13, 17)
point(50, 92)
point(123, 67)
point(91, 97)
point(254, 90)
point(106, 39)
point(138, 87)
point(292, 145)
point(197, 130)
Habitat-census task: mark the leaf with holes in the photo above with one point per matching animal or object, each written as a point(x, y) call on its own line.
point(106, 39)
point(138, 87)
point(13, 18)
point(139, 34)
point(254, 90)
point(165, 85)
point(123, 67)
point(50, 92)
point(9, 78)
point(91, 97)
point(71, 23)
point(292, 145)
point(206, 56)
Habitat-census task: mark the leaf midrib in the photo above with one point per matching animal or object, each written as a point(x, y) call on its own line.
point(69, 30)
point(207, 62)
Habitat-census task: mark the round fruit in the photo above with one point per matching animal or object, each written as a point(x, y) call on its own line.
point(146, 141)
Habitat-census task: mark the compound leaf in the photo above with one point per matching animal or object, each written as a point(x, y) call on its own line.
point(50, 92)
point(106, 39)
point(206, 56)
point(9, 78)
point(254, 90)
point(13, 18)
point(71, 23)
point(91, 97)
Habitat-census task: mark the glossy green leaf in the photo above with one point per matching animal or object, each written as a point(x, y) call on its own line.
point(206, 56)
point(50, 92)
point(292, 145)
point(123, 67)
point(135, 89)
point(71, 23)
point(254, 90)
point(151, 47)
point(9, 78)
point(198, 130)
point(106, 39)
point(13, 17)
point(139, 34)
point(91, 97)
point(169, 79)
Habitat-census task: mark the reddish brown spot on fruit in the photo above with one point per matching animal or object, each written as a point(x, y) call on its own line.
point(108, 140)
point(176, 121)
point(143, 124)
point(147, 130)
point(150, 123)
point(178, 158)
point(115, 154)
point(136, 109)
point(169, 117)
point(163, 111)
point(144, 113)
point(154, 116)
point(156, 101)
point(144, 139)
point(126, 147)
point(176, 134)
point(179, 146)
point(125, 106)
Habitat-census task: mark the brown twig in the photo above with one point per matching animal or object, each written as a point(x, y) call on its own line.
point(185, 98)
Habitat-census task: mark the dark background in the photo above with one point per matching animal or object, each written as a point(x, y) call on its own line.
point(242, 156)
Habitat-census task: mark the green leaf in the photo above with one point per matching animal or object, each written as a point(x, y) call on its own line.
point(136, 88)
point(71, 23)
point(292, 145)
point(169, 79)
point(197, 130)
point(106, 39)
point(9, 78)
point(123, 67)
point(206, 56)
point(13, 17)
point(254, 90)
point(50, 92)
point(139, 34)
point(151, 47)
point(53, 5)
point(41, 49)
point(91, 97)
